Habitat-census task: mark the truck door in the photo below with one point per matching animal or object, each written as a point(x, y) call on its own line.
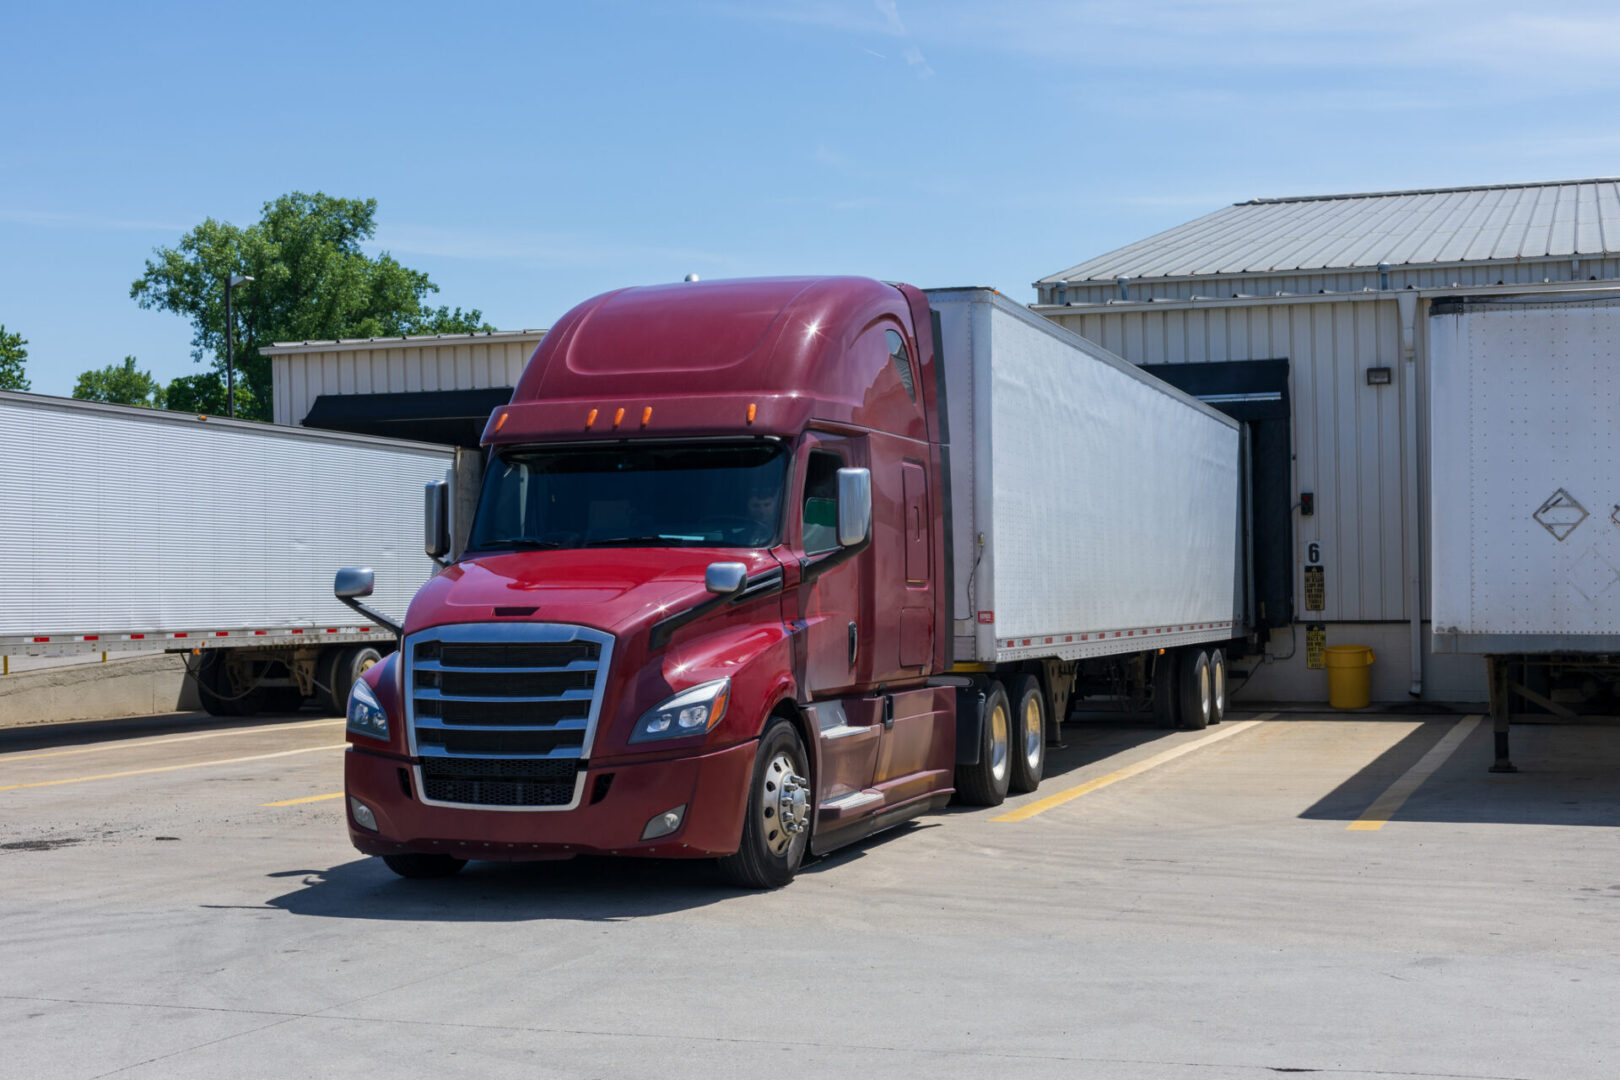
point(836, 640)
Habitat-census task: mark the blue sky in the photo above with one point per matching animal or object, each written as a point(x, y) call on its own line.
point(529, 155)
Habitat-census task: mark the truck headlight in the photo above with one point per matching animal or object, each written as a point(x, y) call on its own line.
point(366, 715)
point(691, 712)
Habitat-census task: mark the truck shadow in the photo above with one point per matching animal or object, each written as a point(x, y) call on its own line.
point(584, 889)
point(1566, 776)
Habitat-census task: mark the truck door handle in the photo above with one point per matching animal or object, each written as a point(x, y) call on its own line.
point(888, 713)
point(854, 643)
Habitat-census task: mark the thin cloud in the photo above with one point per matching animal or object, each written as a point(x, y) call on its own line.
point(534, 247)
point(50, 220)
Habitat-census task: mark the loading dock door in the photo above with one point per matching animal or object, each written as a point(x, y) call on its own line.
point(1255, 392)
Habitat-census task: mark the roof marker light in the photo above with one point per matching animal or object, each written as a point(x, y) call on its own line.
point(646, 415)
point(751, 408)
point(590, 418)
point(500, 421)
point(618, 418)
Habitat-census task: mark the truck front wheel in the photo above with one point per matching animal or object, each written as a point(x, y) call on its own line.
point(776, 827)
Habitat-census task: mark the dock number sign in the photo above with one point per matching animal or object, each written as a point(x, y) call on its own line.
point(1315, 578)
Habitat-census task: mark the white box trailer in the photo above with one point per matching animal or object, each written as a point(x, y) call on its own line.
point(1524, 406)
point(131, 530)
point(1096, 511)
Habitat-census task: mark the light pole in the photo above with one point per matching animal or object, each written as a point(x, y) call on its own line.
point(231, 282)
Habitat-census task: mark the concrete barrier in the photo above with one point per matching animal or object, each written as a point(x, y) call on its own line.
point(143, 686)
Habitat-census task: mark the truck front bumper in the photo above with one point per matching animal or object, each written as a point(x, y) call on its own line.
point(712, 787)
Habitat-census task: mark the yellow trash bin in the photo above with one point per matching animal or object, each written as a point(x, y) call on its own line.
point(1349, 669)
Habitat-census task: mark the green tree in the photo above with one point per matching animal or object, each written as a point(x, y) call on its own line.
point(120, 384)
point(311, 282)
point(12, 356)
point(204, 393)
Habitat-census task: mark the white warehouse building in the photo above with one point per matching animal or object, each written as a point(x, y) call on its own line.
point(1308, 317)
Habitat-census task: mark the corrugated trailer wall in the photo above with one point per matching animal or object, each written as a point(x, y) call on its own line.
point(409, 366)
point(1347, 435)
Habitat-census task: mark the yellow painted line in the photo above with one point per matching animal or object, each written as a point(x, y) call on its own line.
point(306, 798)
point(172, 768)
point(165, 740)
point(1041, 806)
point(1385, 806)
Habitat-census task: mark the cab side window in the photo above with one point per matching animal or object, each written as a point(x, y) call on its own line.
point(902, 362)
point(821, 501)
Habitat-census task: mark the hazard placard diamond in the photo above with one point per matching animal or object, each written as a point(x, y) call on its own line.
point(1560, 514)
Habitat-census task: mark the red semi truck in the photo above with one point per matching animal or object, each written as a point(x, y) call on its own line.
point(759, 568)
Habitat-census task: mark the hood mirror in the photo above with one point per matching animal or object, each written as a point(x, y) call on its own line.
point(725, 578)
point(854, 506)
point(353, 582)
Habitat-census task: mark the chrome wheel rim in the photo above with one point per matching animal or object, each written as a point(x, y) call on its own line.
point(784, 804)
point(1034, 737)
point(1220, 688)
point(1204, 698)
point(1000, 739)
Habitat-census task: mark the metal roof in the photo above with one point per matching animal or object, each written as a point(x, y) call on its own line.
point(1433, 226)
point(477, 337)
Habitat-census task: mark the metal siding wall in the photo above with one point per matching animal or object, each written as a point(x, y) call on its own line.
point(1347, 434)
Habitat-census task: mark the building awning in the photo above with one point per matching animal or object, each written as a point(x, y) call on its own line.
point(452, 417)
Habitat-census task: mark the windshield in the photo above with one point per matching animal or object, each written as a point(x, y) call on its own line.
point(632, 496)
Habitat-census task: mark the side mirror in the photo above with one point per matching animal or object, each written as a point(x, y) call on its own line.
point(725, 578)
point(353, 582)
point(436, 519)
point(854, 506)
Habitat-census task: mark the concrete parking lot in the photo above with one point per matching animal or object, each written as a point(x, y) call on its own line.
point(1350, 895)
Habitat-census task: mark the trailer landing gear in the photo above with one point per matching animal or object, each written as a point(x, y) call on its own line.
point(1497, 673)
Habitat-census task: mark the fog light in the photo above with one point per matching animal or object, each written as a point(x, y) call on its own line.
point(664, 824)
point(363, 816)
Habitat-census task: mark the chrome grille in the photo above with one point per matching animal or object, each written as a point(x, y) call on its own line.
point(503, 715)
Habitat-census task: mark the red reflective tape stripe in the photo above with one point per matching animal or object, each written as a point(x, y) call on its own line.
point(365, 629)
point(41, 639)
point(222, 633)
point(92, 637)
point(179, 635)
point(331, 630)
point(260, 633)
point(298, 631)
point(137, 637)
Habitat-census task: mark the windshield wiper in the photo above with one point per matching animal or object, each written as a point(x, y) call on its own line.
point(519, 542)
point(627, 541)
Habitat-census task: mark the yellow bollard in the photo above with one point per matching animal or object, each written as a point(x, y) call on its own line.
point(1349, 669)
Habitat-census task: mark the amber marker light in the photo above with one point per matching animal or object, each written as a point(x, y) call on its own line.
point(751, 408)
point(646, 415)
point(618, 418)
point(590, 418)
point(500, 421)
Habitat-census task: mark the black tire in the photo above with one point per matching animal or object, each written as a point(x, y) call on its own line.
point(351, 663)
point(1217, 686)
point(214, 689)
point(1195, 686)
point(776, 825)
point(1028, 733)
point(424, 864)
point(1167, 689)
point(327, 695)
point(985, 782)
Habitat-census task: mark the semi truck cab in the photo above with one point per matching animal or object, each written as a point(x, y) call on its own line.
point(701, 603)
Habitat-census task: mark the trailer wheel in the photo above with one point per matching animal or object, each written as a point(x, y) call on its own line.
point(985, 782)
point(1217, 686)
point(1195, 690)
point(1028, 734)
point(424, 864)
point(1167, 689)
point(350, 664)
point(329, 698)
point(776, 825)
point(214, 689)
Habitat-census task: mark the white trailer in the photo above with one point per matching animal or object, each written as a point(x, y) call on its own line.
point(1096, 511)
point(1525, 497)
point(131, 530)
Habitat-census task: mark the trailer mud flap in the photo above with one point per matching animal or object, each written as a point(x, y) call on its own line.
point(969, 723)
